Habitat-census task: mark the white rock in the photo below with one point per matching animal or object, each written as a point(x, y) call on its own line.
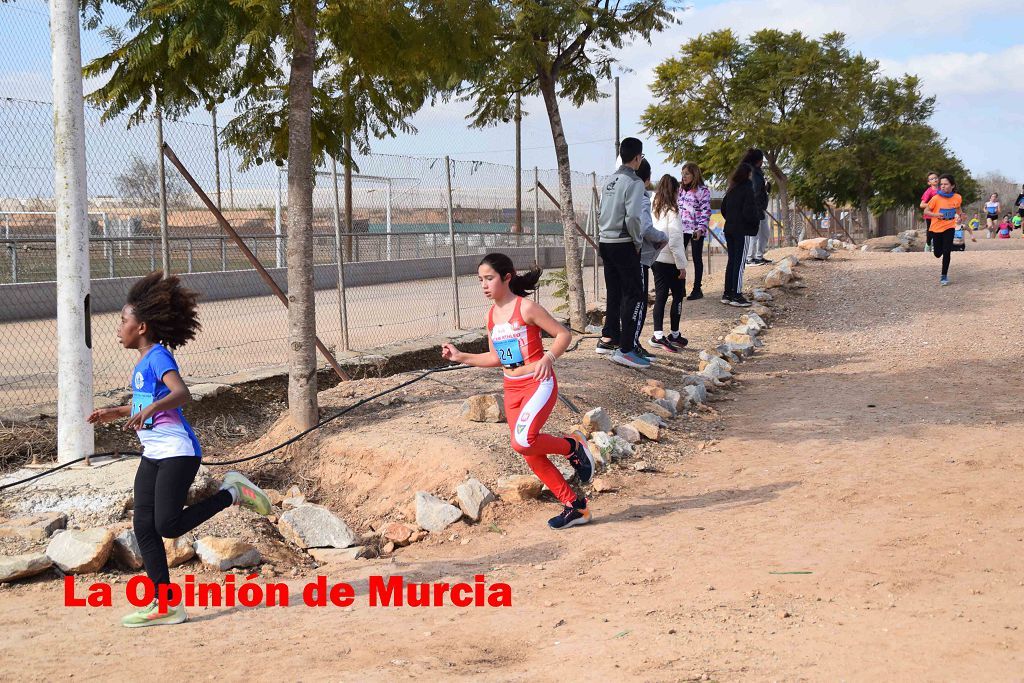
point(433, 514)
point(820, 254)
point(14, 567)
point(81, 552)
point(762, 295)
point(126, 550)
point(224, 553)
point(596, 420)
point(611, 447)
point(314, 526)
point(674, 398)
point(473, 498)
point(628, 432)
point(753, 318)
point(717, 372)
point(696, 394)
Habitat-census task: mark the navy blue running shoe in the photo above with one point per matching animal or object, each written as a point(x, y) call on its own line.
point(572, 515)
point(581, 459)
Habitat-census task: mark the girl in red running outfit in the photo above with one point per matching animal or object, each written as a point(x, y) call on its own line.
point(514, 325)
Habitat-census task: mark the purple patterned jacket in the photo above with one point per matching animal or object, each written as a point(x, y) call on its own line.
point(695, 210)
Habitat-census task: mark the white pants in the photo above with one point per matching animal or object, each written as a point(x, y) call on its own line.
point(756, 246)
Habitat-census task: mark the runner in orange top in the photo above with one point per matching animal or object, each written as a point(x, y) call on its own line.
point(944, 211)
point(514, 325)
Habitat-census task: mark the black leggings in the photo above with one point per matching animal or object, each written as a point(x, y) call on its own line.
point(666, 279)
point(736, 247)
point(697, 252)
point(161, 488)
point(942, 245)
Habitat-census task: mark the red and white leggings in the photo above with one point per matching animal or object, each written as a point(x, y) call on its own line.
point(528, 403)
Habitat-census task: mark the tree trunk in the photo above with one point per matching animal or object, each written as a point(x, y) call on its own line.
point(865, 213)
point(573, 265)
point(782, 182)
point(302, 399)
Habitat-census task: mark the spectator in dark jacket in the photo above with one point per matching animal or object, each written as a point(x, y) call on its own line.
point(755, 251)
point(742, 220)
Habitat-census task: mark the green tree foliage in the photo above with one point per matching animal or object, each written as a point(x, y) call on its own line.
point(559, 49)
point(880, 160)
point(832, 129)
point(784, 93)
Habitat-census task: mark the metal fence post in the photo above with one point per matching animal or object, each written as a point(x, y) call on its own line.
point(14, 263)
point(451, 235)
point(152, 255)
point(340, 251)
point(165, 245)
point(387, 216)
point(190, 254)
point(223, 255)
point(277, 222)
point(110, 260)
point(536, 224)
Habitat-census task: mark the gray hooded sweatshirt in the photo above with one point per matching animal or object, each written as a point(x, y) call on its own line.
point(622, 208)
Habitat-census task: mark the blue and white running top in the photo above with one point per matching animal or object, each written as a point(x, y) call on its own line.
point(167, 434)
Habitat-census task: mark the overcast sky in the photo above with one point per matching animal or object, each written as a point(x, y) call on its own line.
point(969, 54)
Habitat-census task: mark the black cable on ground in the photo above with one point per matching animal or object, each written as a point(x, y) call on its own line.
point(318, 425)
point(127, 454)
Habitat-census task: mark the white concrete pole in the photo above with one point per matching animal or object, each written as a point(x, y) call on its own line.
point(74, 336)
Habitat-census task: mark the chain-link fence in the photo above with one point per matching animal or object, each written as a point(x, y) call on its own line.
point(397, 250)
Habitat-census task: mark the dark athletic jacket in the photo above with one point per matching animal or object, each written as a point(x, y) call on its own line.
point(740, 210)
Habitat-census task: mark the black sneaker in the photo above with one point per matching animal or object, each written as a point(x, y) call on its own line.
point(572, 515)
point(678, 341)
point(664, 343)
point(581, 459)
point(727, 299)
point(643, 353)
point(764, 261)
point(739, 300)
point(606, 348)
point(695, 294)
point(751, 262)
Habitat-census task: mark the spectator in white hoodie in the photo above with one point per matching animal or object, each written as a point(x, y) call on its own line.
point(669, 267)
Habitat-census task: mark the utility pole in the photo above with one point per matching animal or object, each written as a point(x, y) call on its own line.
point(617, 138)
point(74, 332)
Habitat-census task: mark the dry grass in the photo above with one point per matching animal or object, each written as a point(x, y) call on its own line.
point(20, 443)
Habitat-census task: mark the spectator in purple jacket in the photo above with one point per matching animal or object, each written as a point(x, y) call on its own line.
point(695, 215)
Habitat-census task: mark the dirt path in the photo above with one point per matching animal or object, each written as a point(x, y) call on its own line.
point(875, 445)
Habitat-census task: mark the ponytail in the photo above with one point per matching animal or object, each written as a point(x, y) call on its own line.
point(521, 284)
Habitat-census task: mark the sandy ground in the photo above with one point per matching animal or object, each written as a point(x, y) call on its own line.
point(874, 446)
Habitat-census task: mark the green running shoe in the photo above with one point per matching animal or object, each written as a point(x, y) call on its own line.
point(151, 616)
point(247, 493)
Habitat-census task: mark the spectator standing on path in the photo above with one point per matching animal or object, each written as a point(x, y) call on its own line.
point(759, 244)
point(933, 188)
point(695, 215)
point(670, 266)
point(654, 241)
point(944, 210)
point(742, 221)
point(1019, 202)
point(620, 235)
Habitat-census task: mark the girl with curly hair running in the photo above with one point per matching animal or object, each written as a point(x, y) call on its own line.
point(161, 315)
